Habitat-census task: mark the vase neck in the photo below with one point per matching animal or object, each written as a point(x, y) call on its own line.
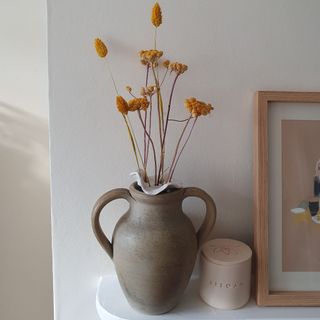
point(169, 198)
point(161, 206)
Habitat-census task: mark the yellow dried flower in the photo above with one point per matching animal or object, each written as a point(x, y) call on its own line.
point(101, 48)
point(177, 67)
point(156, 16)
point(143, 92)
point(138, 104)
point(122, 105)
point(151, 90)
point(148, 91)
point(166, 63)
point(150, 56)
point(128, 88)
point(197, 108)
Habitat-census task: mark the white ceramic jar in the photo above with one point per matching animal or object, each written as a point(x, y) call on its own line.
point(225, 273)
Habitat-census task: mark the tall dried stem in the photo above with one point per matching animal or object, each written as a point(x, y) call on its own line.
point(163, 141)
point(145, 124)
point(150, 127)
point(177, 148)
point(152, 145)
point(184, 145)
point(131, 139)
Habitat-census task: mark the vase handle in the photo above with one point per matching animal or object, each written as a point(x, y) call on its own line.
point(211, 212)
point(114, 194)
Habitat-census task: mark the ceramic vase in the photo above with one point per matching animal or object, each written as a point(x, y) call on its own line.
point(154, 245)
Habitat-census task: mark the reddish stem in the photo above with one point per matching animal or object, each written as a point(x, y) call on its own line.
point(169, 108)
point(152, 145)
point(161, 167)
point(144, 135)
point(184, 145)
point(150, 118)
point(177, 148)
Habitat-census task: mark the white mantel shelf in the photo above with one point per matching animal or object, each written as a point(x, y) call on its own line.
point(111, 304)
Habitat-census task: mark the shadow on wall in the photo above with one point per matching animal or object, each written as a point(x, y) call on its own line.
point(25, 235)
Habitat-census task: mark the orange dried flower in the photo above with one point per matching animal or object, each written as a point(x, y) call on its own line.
point(148, 91)
point(150, 56)
point(156, 15)
point(122, 105)
point(166, 63)
point(151, 89)
point(144, 62)
point(101, 48)
point(177, 67)
point(197, 108)
point(138, 104)
point(143, 91)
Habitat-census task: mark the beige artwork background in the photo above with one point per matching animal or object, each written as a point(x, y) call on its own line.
point(300, 152)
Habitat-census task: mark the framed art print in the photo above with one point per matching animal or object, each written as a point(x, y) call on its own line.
point(286, 198)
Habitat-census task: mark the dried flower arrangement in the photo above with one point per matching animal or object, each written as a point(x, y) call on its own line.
point(151, 97)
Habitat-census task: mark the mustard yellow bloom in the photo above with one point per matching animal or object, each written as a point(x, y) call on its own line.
point(177, 67)
point(166, 63)
point(138, 104)
point(101, 48)
point(144, 62)
point(122, 105)
point(148, 91)
point(151, 89)
point(156, 15)
point(150, 56)
point(197, 108)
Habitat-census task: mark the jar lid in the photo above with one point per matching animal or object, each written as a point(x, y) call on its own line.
point(226, 251)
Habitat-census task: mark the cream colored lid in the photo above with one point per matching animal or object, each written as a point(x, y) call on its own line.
point(226, 251)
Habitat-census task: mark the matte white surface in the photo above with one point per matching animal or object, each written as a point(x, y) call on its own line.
point(25, 241)
point(112, 305)
point(233, 48)
point(23, 56)
point(25, 232)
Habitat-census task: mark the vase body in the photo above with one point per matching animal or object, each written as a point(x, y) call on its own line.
point(154, 248)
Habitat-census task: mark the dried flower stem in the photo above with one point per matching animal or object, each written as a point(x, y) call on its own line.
point(145, 124)
point(175, 120)
point(162, 156)
point(155, 38)
point(147, 74)
point(132, 95)
point(160, 118)
point(160, 104)
point(145, 140)
point(111, 75)
point(152, 145)
point(132, 136)
point(177, 148)
point(169, 106)
point(184, 145)
point(150, 127)
point(132, 139)
point(164, 77)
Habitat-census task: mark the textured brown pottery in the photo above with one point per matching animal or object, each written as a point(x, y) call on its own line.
point(154, 245)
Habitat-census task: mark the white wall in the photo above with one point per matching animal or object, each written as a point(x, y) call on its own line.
point(25, 241)
point(23, 56)
point(233, 48)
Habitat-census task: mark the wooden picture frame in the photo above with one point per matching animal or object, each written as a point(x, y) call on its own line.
point(264, 296)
